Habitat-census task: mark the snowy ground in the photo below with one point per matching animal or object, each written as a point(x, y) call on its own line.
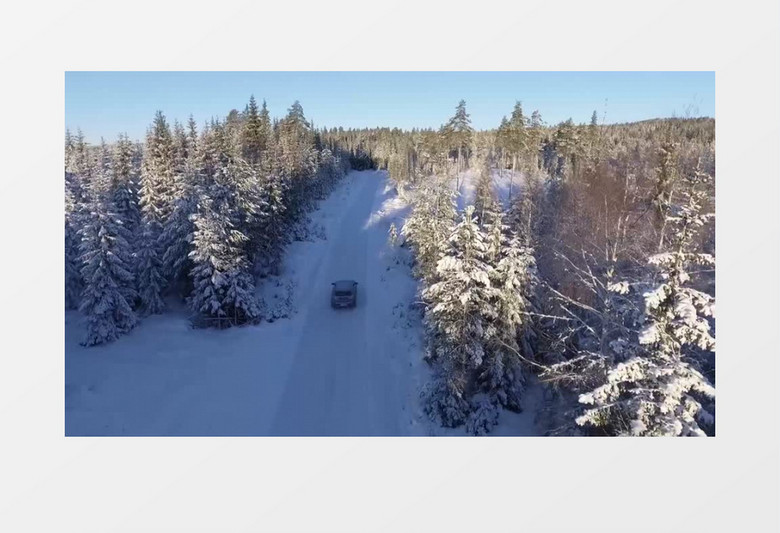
point(317, 372)
point(506, 185)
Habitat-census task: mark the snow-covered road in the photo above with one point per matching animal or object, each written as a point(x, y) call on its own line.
point(319, 372)
point(342, 382)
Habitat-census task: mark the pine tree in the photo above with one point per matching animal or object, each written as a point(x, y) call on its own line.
point(296, 160)
point(429, 226)
point(272, 236)
point(123, 188)
point(180, 147)
point(252, 140)
point(175, 238)
point(108, 279)
point(459, 320)
point(70, 152)
point(81, 164)
point(459, 132)
point(158, 182)
point(485, 201)
point(157, 201)
point(266, 130)
point(566, 142)
point(240, 187)
point(148, 268)
point(223, 288)
point(513, 278)
point(659, 392)
point(73, 281)
point(535, 135)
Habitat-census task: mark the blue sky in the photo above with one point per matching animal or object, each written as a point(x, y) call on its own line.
point(108, 103)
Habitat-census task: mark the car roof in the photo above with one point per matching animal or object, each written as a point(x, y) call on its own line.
point(344, 284)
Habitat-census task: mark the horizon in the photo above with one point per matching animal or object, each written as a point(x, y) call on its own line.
point(106, 104)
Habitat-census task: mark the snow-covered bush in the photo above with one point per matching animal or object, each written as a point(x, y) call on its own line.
point(483, 416)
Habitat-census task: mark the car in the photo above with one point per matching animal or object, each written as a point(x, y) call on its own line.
point(344, 293)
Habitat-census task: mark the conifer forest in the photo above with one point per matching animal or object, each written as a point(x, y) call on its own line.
point(530, 279)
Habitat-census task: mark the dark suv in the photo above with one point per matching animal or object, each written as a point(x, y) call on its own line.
point(344, 294)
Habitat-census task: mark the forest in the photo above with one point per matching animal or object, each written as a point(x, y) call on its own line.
point(591, 278)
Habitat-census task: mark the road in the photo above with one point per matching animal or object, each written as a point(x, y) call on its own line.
point(344, 379)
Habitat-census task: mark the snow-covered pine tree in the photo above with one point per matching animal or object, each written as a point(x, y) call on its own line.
point(659, 392)
point(273, 235)
point(180, 147)
point(241, 184)
point(223, 288)
point(429, 226)
point(535, 133)
point(329, 172)
point(73, 281)
point(485, 201)
point(566, 144)
point(102, 176)
point(108, 279)
point(148, 269)
point(81, 165)
point(252, 134)
point(296, 159)
point(458, 132)
point(176, 236)
point(459, 322)
point(70, 152)
point(158, 174)
point(175, 239)
point(124, 186)
point(157, 200)
point(266, 130)
point(513, 278)
point(192, 138)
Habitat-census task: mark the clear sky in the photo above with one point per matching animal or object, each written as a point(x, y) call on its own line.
point(104, 104)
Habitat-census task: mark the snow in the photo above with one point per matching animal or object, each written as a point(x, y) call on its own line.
point(316, 371)
point(504, 182)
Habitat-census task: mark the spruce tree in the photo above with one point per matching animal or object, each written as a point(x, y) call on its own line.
point(485, 201)
point(148, 269)
point(429, 226)
point(266, 130)
point(459, 321)
point(223, 288)
point(459, 132)
point(513, 278)
point(566, 143)
point(108, 279)
point(158, 181)
point(157, 201)
point(252, 134)
point(73, 281)
point(192, 138)
point(123, 188)
point(659, 391)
